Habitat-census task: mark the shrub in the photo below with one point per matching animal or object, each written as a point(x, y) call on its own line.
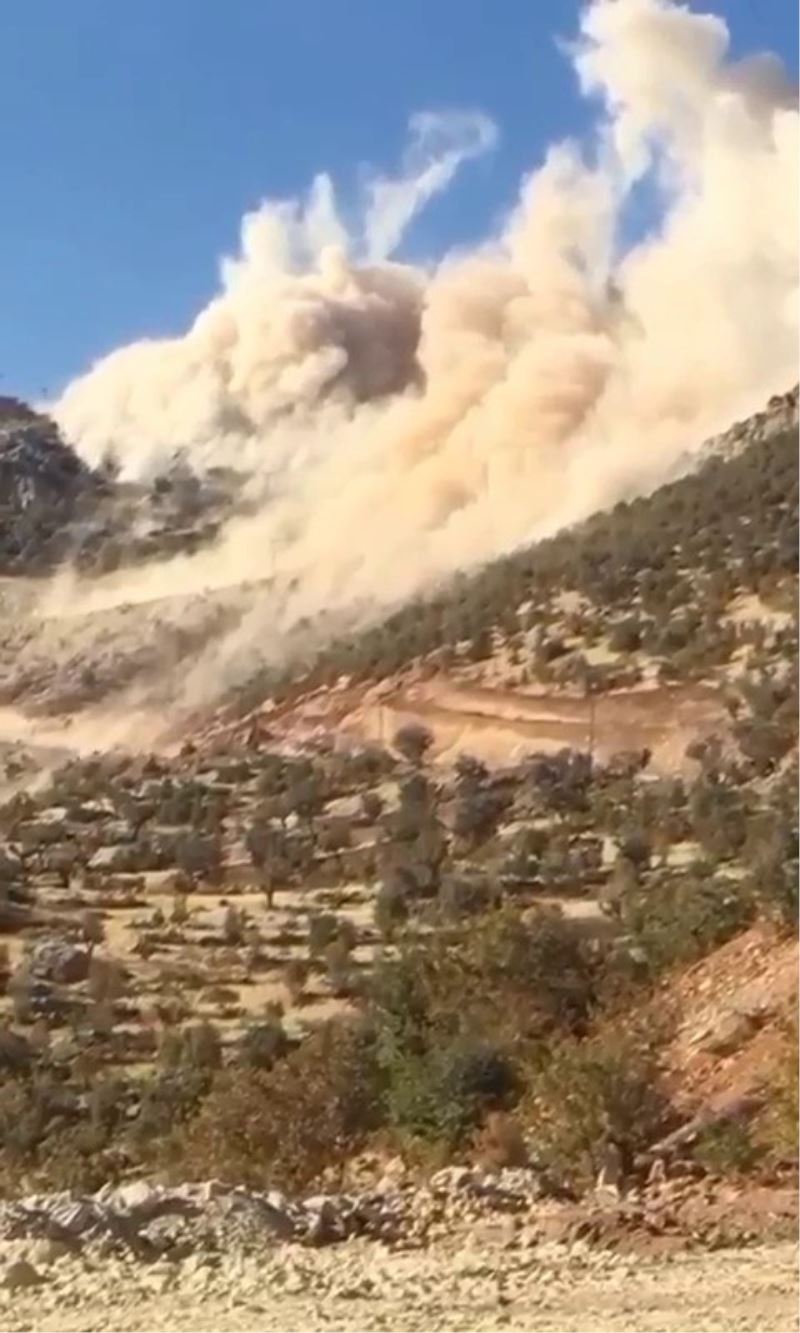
point(525, 854)
point(500, 1142)
point(233, 926)
point(441, 1093)
point(391, 905)
point(538, 958)
point(92, 928)
point(727, 1148)
point(323, 928)
point(717, 814)
point(562, 781)
point(772, 854)
point(295, 976)
point(778, 1126)
point(180, 908)
point(106, 980)
point(679, 916)
point(464, 895)
point(167, 1101)
point(199, 857)
point(470, 774)
point(287, 1127)
point(477, 815)
point(371, 806)
point(339, 965)
point(262, 1044)
point(452, 1016)
point(203, 1046)
point(197, 1046)
point(413, 742)
point(626, 636)
point(586, 1094)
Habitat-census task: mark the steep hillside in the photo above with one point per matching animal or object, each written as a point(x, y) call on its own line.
point(509, 878)
point(658, 587)
point(44, 490)
point(695, 583)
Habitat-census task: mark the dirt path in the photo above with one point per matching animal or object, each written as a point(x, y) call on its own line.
point(361, 1286)
point(500, 725)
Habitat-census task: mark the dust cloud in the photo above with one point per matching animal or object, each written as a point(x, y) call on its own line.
point(400, 422)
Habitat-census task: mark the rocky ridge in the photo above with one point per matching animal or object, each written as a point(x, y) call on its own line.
point(55, 509)
point(44, 488)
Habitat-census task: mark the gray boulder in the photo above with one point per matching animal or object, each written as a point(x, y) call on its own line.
point(60, 962)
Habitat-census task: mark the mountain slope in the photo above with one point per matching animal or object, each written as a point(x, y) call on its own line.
point(694, 583)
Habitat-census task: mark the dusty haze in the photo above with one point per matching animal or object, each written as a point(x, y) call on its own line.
point(403, 422)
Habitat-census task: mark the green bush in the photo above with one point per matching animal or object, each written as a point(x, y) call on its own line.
point(454, 1014)
point(464, 895)
point(442, 1093)
point(538, 958)
point(588, 1093)
point(727, 1148)
point(262, 1044)
point(391, 905)
point(678, 916)
point(323, 927)
point(771, 852)
point(442, 1062)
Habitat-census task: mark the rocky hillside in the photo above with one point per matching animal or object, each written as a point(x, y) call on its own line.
point(55, 509)
point(592, 602)
point(656, 588)
point(508, 881)
point(44, 490)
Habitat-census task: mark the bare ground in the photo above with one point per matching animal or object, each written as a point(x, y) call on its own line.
point(362, 1286)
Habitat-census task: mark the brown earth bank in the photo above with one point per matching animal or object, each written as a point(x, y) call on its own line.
point(498, 725)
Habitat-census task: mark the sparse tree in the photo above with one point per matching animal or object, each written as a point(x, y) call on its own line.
point(372, 806)
point(295, 976)
point(233, 927)
point(180, 908)
point(323, 927)
point(339, 965)
point(413, 742)
point(92, 928)
point(391, 906)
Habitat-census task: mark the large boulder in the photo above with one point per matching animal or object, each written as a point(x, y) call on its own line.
point(34, 833)
point(60, 962)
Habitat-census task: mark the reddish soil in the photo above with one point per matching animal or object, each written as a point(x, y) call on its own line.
point(753, 978)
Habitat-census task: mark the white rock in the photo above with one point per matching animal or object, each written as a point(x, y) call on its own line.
point(136, 1194)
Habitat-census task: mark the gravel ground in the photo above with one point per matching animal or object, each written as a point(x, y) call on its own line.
point(361, 1286)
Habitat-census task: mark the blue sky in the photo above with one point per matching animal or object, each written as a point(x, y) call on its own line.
point(134, 134)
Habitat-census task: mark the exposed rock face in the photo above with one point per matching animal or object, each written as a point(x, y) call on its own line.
point(52, 506)
point(43, 488)
point(782, 413)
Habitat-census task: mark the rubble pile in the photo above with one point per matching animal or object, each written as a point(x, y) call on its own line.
point(511, 1209)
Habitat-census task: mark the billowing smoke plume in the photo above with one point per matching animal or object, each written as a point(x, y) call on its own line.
point(406, 422)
